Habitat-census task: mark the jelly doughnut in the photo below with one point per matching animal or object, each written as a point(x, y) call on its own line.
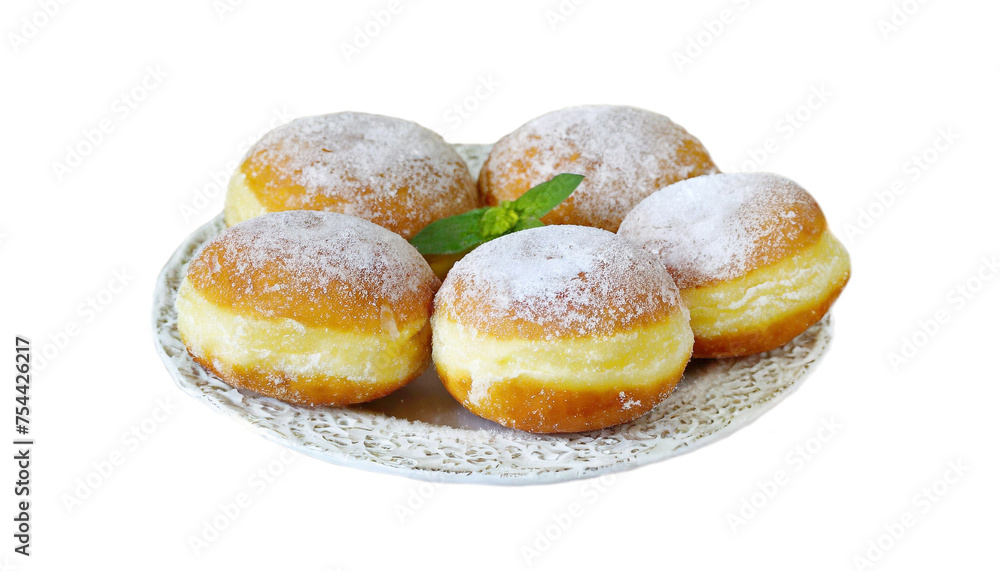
point(751, 253)
point(560, 329)
point(314, 308)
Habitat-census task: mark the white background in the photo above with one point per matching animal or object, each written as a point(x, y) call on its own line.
point(231, 75)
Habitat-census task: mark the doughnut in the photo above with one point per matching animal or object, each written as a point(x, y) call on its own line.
point(313, 308)
point(392, 172)
point(751, 253)
point(625, 153)
point(559, 329)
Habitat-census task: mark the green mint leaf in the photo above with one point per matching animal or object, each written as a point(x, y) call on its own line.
point(461, 233)
point(526, 223)
point(452, 235)
point(498, 220)
point(541, 199)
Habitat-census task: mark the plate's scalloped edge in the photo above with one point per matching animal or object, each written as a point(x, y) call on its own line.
point(715, 399)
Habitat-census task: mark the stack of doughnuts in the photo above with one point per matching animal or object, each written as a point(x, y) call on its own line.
point(314, 296)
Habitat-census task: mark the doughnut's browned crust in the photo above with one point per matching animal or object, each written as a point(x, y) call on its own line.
point(391, 214)
point(781, 216)
point(422, 189)
point(602, 201)
point(311, 390)
point(527, 404)
point(799, 232)
point(343, 305)
point(476, 311)
point(743, 343)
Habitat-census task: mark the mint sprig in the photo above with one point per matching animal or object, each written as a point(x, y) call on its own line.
point(457, 234)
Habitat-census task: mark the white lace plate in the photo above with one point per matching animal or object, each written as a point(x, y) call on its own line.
point(421, 432)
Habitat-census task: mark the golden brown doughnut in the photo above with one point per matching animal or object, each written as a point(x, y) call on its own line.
point(625, 153)
point(309, 307)
point(560, 329)
point(751, 254)
point(392, 172)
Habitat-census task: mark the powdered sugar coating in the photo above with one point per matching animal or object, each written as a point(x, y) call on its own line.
point(383, 169)
point(557, 281)
point(319, 268)
point(718, 227)
point(625, 153)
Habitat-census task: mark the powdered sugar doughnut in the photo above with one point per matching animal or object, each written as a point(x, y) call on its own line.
point(392, 172)
point(751, 253)
point(309, 308)
point(560, 329)
point(625, 153)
